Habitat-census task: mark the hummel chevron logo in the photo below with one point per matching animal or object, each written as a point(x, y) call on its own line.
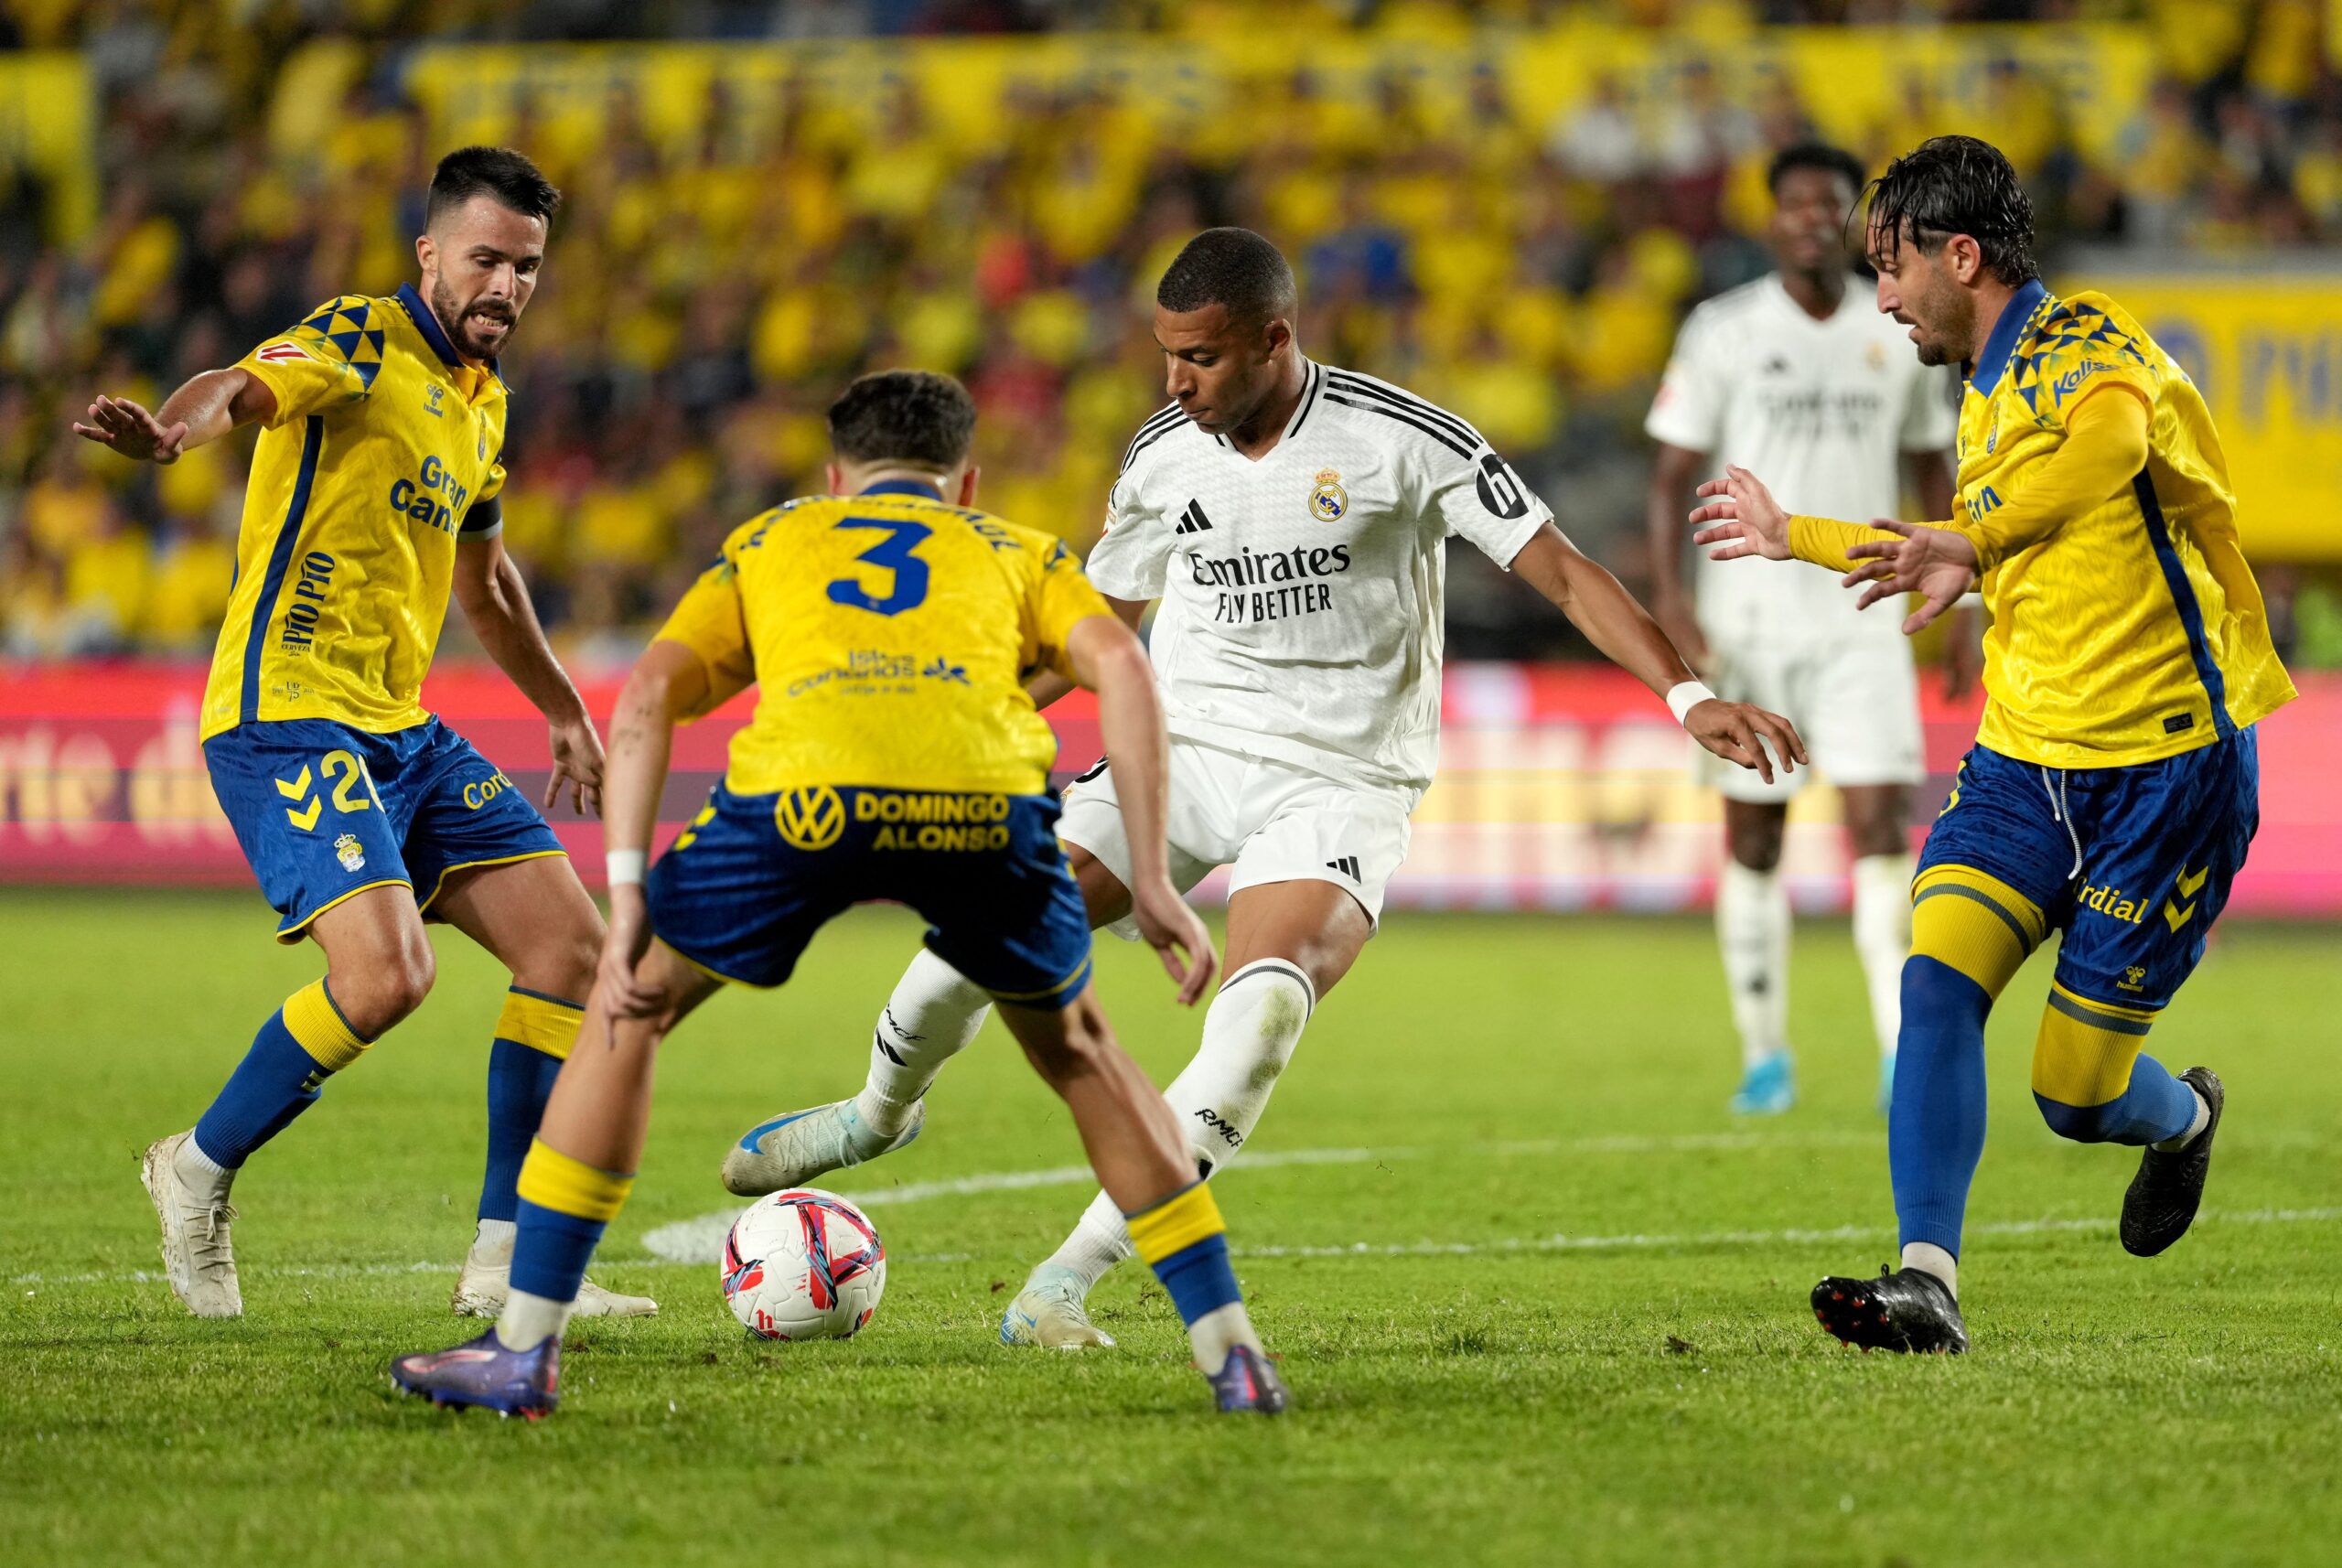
point(1193, 520)
point(1346, 865)
point(2176, 914)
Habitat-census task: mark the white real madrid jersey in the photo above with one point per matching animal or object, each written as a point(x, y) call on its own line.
point(1821, 412)
point(1303, 595)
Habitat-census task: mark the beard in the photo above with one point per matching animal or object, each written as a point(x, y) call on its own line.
point(1946, 323)
point(476, 330)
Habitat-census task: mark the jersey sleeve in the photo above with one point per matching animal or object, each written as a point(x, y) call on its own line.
point(1931, 410)
point(328, 361)
point(1131, 556)
point(484, 519)
point(1062, 597)
point(1688, 409)
point(1475, 493)
point(713, 623)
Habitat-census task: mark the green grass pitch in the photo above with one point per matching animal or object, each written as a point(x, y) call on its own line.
point(1540, 1299)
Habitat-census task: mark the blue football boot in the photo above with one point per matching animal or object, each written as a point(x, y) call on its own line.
point(1768, 1089)
point(1247, 1382)
point(1886, 1083)
point(483, 1372)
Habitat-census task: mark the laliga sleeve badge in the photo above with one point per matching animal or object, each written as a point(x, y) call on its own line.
point(1327, 499)
point(349, 852)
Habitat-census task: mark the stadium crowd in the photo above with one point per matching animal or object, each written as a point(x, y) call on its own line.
point(706, 293)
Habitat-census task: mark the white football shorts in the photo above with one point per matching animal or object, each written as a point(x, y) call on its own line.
point(1856, 703)
point(1268, 821)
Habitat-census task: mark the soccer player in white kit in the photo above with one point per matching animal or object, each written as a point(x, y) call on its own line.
point(1292, 518)
point(1796, 375)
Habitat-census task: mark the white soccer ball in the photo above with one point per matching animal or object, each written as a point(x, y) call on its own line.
point(803, 1264)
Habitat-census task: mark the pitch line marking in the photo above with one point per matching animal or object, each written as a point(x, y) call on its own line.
point(699, 1238)
point(1497, 1246)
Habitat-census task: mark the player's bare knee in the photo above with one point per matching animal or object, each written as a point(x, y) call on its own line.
point(1103, 893)
point(375, 995)
point(1073, 1045)
point(1877, 821)
point(1753, 837)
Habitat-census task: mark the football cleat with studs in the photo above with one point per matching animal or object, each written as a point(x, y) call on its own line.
point(2164, 1196)
point(1247, 1384)
point(1048, 1312)
point(1906, 1310)
point(198, 1254)
point(483, 1373)
point(793, 1149)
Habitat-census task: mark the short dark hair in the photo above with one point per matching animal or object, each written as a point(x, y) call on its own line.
point(499, 172)
point(1230, 267)
point(905, 416)
point(1956, 185)
point(1815, 156)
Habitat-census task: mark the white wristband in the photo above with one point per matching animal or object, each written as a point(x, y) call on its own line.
point(1685, 696)
point(625, 866)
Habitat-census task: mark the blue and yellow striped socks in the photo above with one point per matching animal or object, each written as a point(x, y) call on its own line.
point(534, 1034)
point(564, 1205)
point(1970, 932)
point(303, 1043)
point(1184, 1241)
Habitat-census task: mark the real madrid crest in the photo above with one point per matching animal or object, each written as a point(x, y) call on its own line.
point(1327, 499)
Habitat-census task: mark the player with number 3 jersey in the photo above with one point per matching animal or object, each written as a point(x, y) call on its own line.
point(895, 754)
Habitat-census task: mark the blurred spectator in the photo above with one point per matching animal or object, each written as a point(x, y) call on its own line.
point(733, 248)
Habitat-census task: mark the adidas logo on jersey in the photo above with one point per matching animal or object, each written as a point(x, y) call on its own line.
point(1193, 520)
point(1347, 864)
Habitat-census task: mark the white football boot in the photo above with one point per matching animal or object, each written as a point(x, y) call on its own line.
point(487, 1280)
point(1048, 1312)
point(791, 1150)
point(196, 1257)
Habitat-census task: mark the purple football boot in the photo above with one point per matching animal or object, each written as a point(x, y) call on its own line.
point(1246, 1382)
point(483, 1372)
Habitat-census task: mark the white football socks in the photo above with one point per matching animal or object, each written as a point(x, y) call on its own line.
point(1219, 1331)
point(1928, 1258)
point(933, 1014)
point(493, 1241)
point(1753, 930)
point(1250, 1032)
point(1883, 936)
point(529, 1321)
point(202, 1173)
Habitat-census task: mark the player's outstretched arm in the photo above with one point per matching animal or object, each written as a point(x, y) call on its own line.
point(669, 683)
point(1598, 606)
point(208, 407)
point(1107, 656)
point(1672, 471)
point(496, 601)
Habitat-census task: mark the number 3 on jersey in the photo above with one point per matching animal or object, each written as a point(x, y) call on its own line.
point(907, 588)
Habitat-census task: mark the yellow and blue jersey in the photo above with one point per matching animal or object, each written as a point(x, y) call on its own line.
point(385, 447)
point(891, 636)
point(894, 752)
point(2132, 630)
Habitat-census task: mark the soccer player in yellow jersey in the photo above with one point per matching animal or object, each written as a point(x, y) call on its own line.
point(895, 753)
point(2113, 788)
point(372, 498)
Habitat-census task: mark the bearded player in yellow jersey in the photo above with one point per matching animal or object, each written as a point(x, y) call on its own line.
point(2114, 788)
point(372, 498)
point(895, 753)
